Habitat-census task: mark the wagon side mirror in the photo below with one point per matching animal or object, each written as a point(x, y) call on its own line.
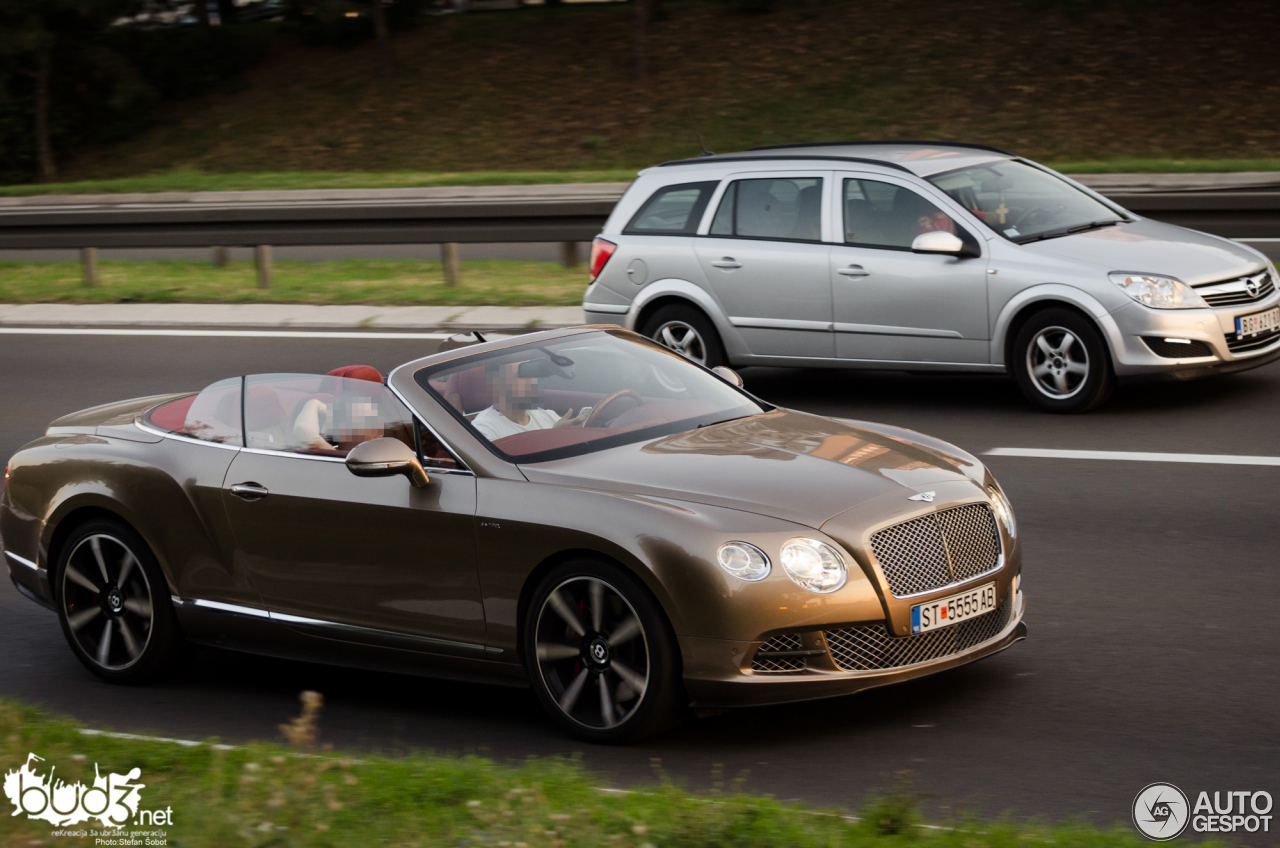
point(386, 458)
point(729, 375)
point(938, 241)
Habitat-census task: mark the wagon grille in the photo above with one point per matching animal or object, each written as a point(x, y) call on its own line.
point(938, 549)
point(1251, 343)
point(870, 647)
point(764, 661)
point(1236, 292)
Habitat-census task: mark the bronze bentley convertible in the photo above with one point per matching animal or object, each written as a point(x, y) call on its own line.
point(581, 510)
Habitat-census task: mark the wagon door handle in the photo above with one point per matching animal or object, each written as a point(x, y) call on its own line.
point(249, 491)
point(854, 271)
point(726, 262)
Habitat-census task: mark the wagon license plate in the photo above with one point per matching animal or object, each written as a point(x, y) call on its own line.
point(1259, 322)
point(953, 609)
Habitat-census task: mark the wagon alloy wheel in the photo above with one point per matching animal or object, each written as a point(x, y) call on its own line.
point(684, 340)
point(593, 653)
point(106, 598)
point(1058, 362)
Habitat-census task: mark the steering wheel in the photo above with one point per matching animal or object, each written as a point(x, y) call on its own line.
point(608, 399)
point(1036, 214)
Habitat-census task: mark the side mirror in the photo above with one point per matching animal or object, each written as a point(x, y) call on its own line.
point(386, 458)
point(938, 241)
point(729, 375)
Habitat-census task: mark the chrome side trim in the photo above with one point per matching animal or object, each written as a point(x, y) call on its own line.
point(781, 324)
point(882, 330)
point(292, 454)
point(23, 561)
point(156, 431)
point(322, 624)
point(608, 308)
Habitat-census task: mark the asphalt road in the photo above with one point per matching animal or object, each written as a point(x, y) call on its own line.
point(1151, 592)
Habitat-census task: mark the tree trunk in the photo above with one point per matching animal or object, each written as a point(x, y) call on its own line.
point(226, 12)
point(202, 14)
point(383, 38)
point(44, 146)
point(643, 14)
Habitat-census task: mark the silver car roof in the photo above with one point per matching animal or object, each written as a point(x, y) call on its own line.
point(922, 158)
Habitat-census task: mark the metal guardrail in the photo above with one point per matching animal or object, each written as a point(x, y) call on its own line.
point(434, 216)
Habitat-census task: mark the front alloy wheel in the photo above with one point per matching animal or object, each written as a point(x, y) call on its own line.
point(600, 658)
point(1061, 363)
point(1058, 362)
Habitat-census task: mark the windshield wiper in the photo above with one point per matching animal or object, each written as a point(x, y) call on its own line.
point(1070, 231)
point(725, 420)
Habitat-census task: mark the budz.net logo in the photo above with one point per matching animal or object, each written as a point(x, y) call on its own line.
point(112, 800)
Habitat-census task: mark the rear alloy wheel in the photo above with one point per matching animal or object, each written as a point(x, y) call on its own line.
point(113, 604)
point(688, 332)
point(1060, 362)
point(600, 655)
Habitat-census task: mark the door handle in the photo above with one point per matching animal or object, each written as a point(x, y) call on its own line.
point(249, 491)
point(727, 262)
point(854, 271)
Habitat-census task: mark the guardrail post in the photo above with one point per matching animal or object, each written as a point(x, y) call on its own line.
point(89, 266)
point(449, 259)
point(219, 255)
point(569, 254)
point(262, 257)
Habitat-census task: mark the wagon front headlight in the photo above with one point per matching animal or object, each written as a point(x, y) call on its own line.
point(746, 562)
point(814, 565)
point(1158, 292)
point(1004, 512)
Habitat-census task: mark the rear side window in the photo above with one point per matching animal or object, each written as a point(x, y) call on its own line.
point(321, 415)
point(673, 210)
point(787, 209)
point(213, 415)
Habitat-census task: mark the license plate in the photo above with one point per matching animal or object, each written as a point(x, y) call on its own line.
point(1259, 322)
point(953, 609)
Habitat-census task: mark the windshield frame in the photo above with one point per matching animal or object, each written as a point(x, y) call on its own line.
point(1123, 216)
point(422, 377)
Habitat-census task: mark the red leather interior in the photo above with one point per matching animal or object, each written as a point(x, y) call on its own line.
point(263, 408)
point(173, 415)
point(536, 441)
point(469, 390)
point(357, 372)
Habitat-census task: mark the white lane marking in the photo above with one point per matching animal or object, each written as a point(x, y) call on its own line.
point(1137, 456)
point(224, 334)
point(186, 743)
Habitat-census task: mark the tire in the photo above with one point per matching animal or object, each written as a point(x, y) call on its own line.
point(688, 331)
point(594, 684)
point(133, 616)
point(1061, 362)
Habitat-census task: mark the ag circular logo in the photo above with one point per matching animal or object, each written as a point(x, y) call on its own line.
point(1160, 812)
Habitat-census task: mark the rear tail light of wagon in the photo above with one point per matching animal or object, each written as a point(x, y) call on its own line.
point(601, 250)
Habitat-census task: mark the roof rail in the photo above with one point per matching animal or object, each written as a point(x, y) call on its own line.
point(734, 157)
point(884, 141)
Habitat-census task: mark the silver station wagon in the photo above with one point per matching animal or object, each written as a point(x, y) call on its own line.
point(929, 257)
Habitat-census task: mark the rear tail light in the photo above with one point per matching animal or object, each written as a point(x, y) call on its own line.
point(601, 250)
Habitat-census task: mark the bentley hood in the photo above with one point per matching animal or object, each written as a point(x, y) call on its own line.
point(786, 464)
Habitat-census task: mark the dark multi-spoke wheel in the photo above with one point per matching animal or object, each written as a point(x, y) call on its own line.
point(108, 585)
point(599, 653)
point(1060, 362)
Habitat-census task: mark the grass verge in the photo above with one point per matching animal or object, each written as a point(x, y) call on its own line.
point(266, 794)
point(382, 281)
point(192, 181)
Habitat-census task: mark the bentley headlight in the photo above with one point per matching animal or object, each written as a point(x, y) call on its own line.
point(814, 565)
point(1158, 292)
point(743, 561)
point(1004, 512)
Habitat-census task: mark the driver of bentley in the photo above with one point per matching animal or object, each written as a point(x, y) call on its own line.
point(515, 405)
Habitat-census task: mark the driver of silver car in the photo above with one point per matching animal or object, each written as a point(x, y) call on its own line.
point(515, 406)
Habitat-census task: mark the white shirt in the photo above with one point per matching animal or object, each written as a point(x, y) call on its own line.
point(493, 425)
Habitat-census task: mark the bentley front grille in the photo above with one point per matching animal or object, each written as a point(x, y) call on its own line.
point(778, 654)
point(937, 550)
point(871, 647)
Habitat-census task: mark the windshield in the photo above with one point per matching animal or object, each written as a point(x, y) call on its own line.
point(584, 393)
point(1023, 203)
